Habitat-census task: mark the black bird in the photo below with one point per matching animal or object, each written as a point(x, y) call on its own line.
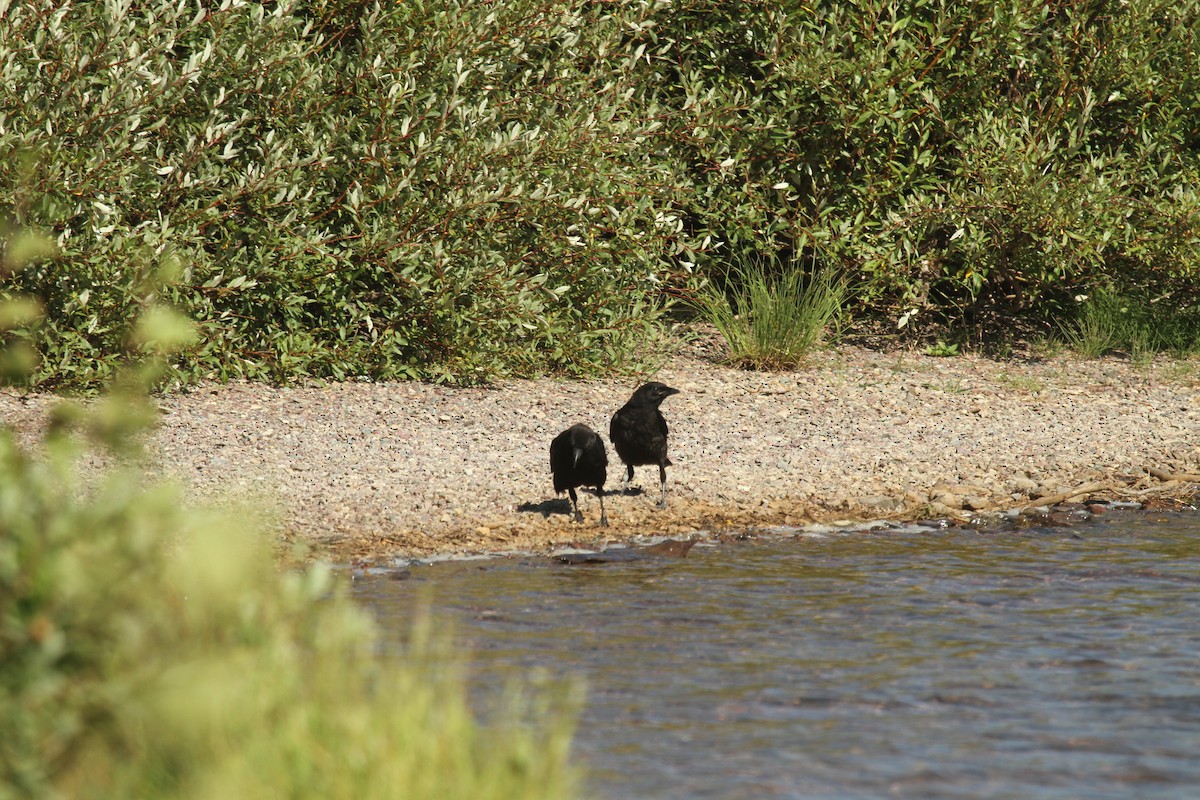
point(639, 433)
point(578, 458)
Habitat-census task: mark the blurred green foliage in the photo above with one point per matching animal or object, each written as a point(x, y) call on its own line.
point(466, 190)
point(149, 650)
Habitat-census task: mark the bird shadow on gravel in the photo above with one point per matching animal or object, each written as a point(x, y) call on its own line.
point(547, 507)
point(561, 505)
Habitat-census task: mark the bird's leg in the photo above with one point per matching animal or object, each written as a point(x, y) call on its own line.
point(575, 505)
point(662, 478)
point(603, 516)
point(628, 478)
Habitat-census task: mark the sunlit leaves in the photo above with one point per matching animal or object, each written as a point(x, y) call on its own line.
point(351, 190)
point(957, 156)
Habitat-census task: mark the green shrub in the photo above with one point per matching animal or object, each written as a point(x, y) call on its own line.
point(449, 191)
point(772, 317)
point(964, 159)
point(469, 190)
point(147, 652)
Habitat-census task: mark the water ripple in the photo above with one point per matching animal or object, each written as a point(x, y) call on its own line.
point(1040, 664)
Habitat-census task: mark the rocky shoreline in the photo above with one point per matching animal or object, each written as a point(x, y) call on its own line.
point(365, 471)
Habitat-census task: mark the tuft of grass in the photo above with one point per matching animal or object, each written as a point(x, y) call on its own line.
point(773, 316)
point(1099, 328)
point(1184, 372)
point(1044, 348)
point(1020, 383)
point(1109, 322)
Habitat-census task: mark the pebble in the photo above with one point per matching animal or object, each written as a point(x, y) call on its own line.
point(973, 502)
point(879, 502)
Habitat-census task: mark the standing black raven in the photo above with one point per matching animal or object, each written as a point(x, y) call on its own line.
point(639, 433)
point(578, 458)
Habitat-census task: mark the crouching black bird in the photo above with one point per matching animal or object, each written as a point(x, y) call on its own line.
point(639, 433)
point(578, 458)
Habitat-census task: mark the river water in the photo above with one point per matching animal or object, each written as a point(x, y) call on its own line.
point(1060, 662)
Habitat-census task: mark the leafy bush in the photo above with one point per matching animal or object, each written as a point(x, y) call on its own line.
point(146, 652)
point(772, 317)
point(449, 191)
point(965, 159)
point(467, 190)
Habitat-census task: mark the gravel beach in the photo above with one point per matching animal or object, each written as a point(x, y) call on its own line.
point(371, 471)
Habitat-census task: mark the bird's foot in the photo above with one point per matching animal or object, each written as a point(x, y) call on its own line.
point(661, 503)
point(579, 516)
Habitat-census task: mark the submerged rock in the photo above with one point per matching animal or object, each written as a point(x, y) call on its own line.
point(675, 548)
point(671, 548)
